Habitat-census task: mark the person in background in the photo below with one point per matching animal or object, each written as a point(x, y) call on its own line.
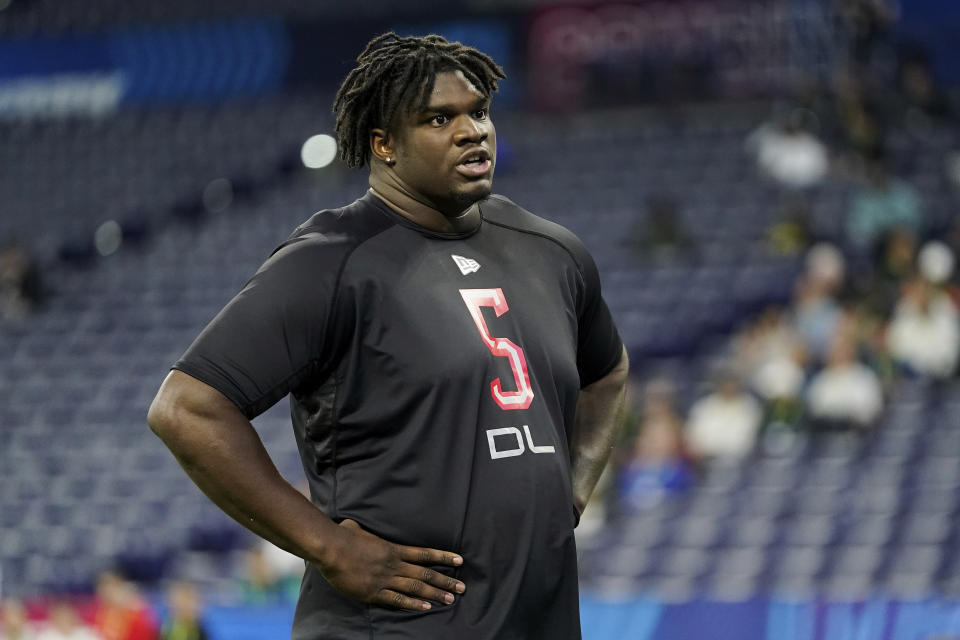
point(770, 356)
point(184, 620)
point(725, 423)
point(816, 312)
point(661, 235)
point(264, 582)
point(792, 233)
point(884, 203)
point(15, 625)
point(921, 95)
point(120, 613)
point(845, 392)
point(21, 284)
point(658, 465)
point(894, 265)
point(788, 153)
point(863, 134)
point(867, 24)
point(924, 334)
point(64, 624)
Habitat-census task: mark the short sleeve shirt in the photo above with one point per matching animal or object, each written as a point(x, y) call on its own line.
point(433, 381)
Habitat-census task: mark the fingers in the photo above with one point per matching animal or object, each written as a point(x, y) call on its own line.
point(421, 555)
point(394, 574)
point(420, 589)
point(396, 599)
point(445, 585)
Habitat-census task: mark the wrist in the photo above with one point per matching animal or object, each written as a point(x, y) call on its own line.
point(323, 547)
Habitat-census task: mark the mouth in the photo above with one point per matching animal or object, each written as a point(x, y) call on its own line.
point(475, 164)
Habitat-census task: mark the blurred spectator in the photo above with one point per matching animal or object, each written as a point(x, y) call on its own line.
point(866, 23)
point(792, 233)
point(661, 235)
point(883, 204)
point(868, 331)
point(184, 620)
point(267, 581)
point(921, 94)
point(924, 335)
point(788, 153)
point(120, 613)
point(770, 355)
point(15, 624)
point(846, 392)
point(893, 266)
point(817, 106)
point(658, 464)
point(21, 285)
point(816, 311)
point(862, 128)
point(64, 624)
point(725, 423)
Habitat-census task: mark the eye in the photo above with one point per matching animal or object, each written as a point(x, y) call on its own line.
point(439, 120)
point(481, 114)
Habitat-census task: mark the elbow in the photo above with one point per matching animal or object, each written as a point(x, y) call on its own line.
point(623, 367)
point(166, 414)
point(618, 376)
point(159, 416)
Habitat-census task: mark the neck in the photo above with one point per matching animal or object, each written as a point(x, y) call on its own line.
point(426, 214)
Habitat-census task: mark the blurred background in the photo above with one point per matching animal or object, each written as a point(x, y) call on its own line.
point(770, 190)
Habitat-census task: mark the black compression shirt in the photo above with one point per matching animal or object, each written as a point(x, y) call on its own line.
point(433, 381)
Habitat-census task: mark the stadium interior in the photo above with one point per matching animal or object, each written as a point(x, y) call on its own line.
point(146, 192)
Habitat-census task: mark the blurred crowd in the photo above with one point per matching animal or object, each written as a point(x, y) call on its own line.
point(874, 303)
point(823, 363)
point(117, 612)
point(119, 609)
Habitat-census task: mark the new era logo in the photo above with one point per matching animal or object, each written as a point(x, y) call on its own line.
point(466, 264)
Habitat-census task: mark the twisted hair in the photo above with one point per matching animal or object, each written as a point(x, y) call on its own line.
point(394, 71)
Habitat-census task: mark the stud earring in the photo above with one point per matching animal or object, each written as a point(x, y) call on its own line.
point(390, 161)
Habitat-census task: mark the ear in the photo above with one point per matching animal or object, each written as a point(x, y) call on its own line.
point(381, 146)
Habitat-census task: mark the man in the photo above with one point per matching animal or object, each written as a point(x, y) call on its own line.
point(454, 373)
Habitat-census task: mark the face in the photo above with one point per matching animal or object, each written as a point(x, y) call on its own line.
point(445, 153)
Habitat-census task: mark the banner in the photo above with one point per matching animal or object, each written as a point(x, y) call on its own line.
point(876, 618)
point(605, 618)
point(95, 74)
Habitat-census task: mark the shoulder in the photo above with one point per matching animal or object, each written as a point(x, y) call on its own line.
point(331, 234)
point(504, 212)
point(344, 226)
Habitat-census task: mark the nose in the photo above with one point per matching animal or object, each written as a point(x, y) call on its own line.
point(469, 131)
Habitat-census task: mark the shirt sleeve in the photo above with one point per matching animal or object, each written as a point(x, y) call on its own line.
point(279, 331)
point(599, 346)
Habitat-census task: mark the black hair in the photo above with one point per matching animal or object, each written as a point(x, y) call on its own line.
point(394, 71)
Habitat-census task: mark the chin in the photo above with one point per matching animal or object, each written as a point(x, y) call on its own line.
point(474, 192)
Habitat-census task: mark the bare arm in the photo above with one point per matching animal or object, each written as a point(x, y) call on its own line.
point(598, 418)
point(222, 453)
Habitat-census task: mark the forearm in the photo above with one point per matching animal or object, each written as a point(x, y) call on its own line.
point(222, 453)
point(598, 418)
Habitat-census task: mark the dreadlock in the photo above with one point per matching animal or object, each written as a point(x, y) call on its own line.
point(394, 71)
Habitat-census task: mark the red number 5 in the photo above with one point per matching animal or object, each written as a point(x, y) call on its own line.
point(502, 347)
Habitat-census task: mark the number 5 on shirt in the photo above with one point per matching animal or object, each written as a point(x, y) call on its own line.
point(502, 347)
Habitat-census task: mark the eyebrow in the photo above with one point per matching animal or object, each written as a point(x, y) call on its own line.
point(447, 108)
